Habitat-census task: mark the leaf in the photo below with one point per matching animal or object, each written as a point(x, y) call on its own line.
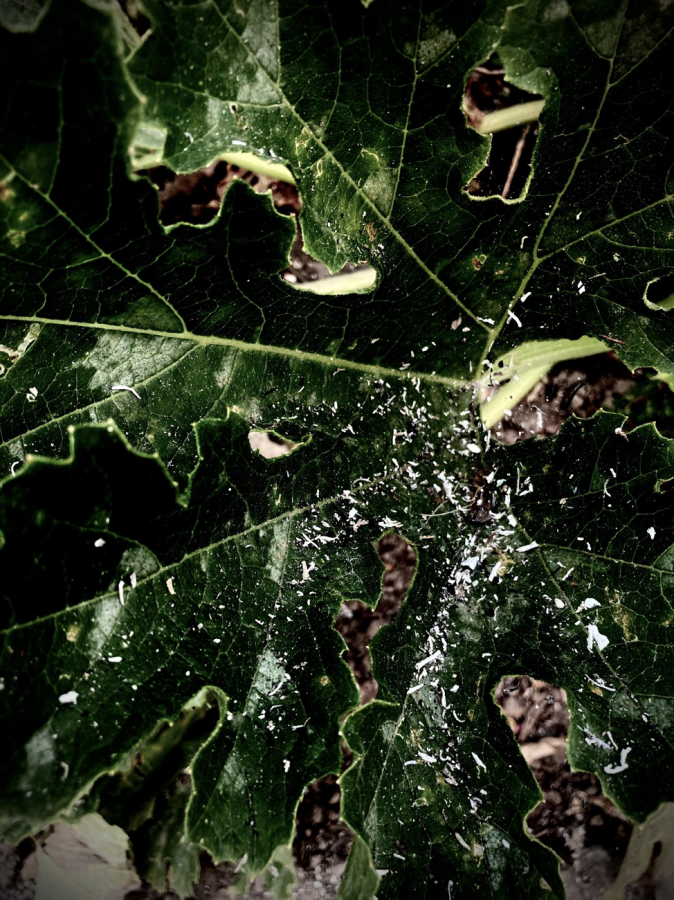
point(360, 881)
point(435, 755)
point(150, 554)
point(365, 109)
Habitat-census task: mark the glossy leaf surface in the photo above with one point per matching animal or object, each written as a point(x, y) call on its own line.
point(150, 554)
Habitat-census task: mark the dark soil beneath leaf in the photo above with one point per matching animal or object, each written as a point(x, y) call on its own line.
point(575, 819)
point(578, 388)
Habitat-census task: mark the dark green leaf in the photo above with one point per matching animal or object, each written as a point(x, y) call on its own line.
point(150, 554)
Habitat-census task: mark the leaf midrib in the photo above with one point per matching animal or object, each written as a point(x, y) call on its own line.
point(214, 340)
point(163, 569)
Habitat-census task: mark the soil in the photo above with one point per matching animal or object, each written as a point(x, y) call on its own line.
point(575, 819)
point(322, 842)
point(14, 885)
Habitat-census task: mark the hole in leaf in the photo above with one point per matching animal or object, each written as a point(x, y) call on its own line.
point(510, 115)
point(195, 197)
point(577, 387)
point(135, 16)
point(659, 293)
point(229, 880)
point(309, 274)
point(14, 342)
point(358, 623)
point(649, 399)
point(532, 389)
point(322, 840)
point(575, 820)
point(270, 445)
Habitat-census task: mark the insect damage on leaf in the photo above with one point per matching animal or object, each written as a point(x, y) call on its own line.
point(153, 553)
point(510, 115)
point(195, 197)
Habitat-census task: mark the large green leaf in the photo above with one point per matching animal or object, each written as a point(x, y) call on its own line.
point(150, 555)
point(365, 107)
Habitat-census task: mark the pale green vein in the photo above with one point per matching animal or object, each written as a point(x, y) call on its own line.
point(407, 118)
point(192, 554)
point(213, 340)
point(668, 198)
point(609, 559)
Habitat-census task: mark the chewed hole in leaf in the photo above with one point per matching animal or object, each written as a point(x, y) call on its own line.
point(195, 198)
point(510, 115)
point(14, 342)
point(535, 710)
point(308, 274)
point(136, 17)
point(322, 840)
point(358, 623)
point(271, 445)
point(659, 293)
point(649, 399)
point(577, 387)
point(574, 814)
